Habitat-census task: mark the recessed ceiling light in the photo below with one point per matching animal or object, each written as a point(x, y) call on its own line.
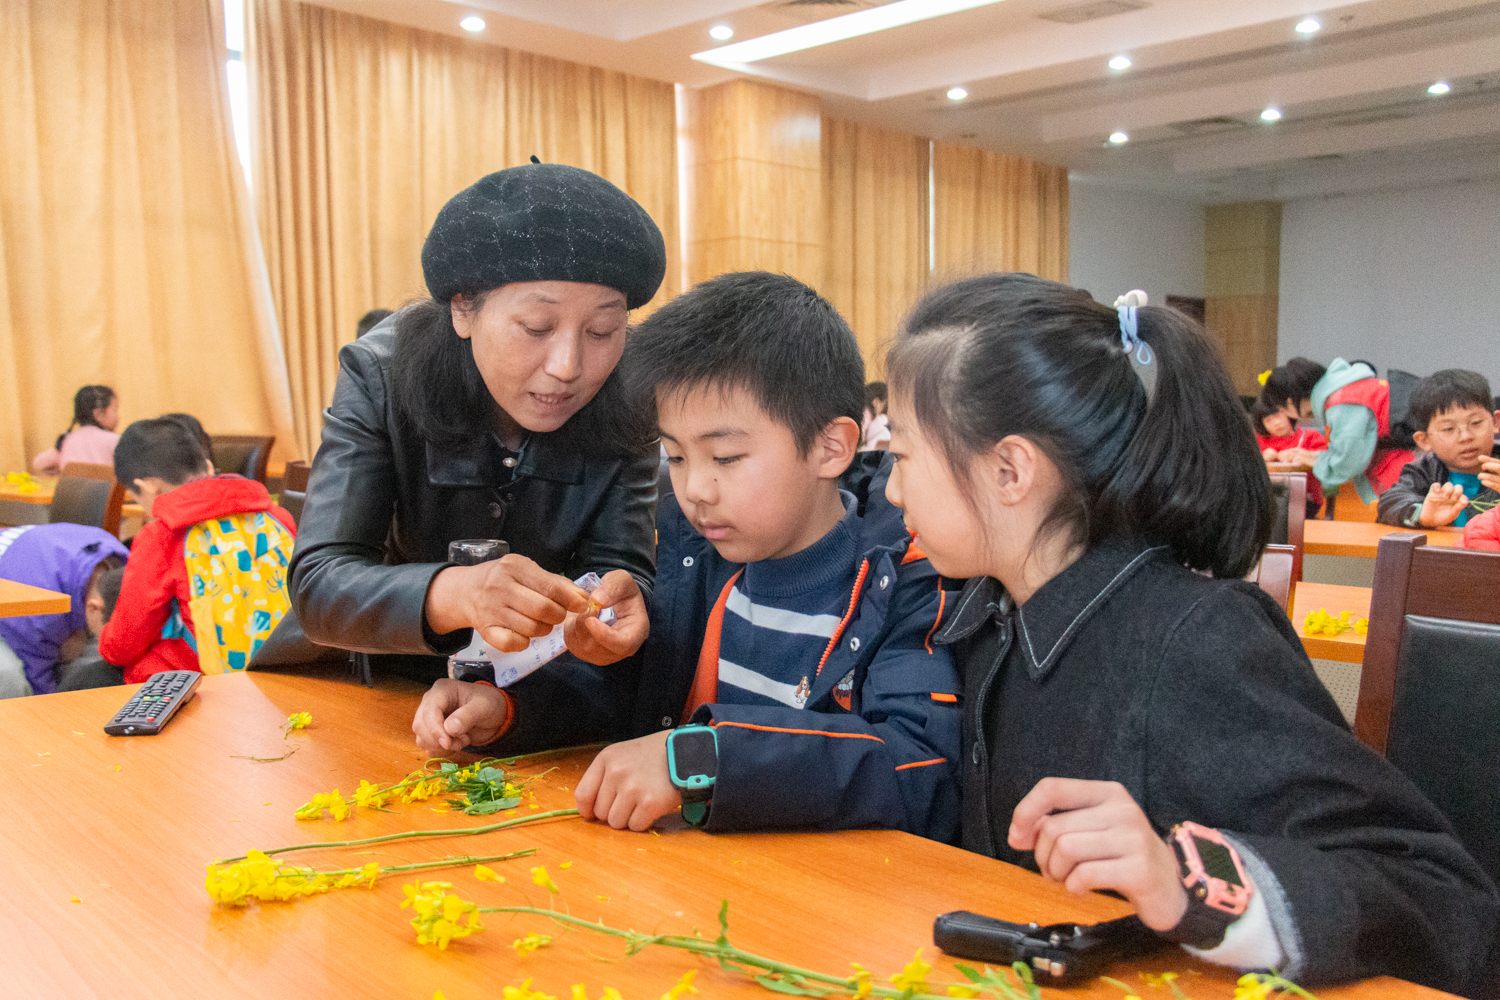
point(1119, 137)
point(957, 94)
point(1308, 26)
point(834, 29)
point(721, 32)
point(1120, 62)
point(1439, 88)
point(1271, 115)
point(472, 23)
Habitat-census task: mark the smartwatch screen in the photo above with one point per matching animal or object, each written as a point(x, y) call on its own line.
point(695, 753)
point(1216, 861)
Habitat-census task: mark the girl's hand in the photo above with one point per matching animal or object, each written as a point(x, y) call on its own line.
point(1270, 455)
point(590, 639)
point(1489, 474)
point(509, 601)
point(627, 784)
point(1300, 457)
point(1442, 504)
point(456, 714)
point(1092, 835)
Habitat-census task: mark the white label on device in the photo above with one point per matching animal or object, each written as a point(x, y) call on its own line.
point(511, 667)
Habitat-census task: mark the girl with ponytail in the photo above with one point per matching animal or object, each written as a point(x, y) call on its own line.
point(90, 438)
point(1124, 716)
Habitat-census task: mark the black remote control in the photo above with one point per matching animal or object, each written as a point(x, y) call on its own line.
point(158, 700)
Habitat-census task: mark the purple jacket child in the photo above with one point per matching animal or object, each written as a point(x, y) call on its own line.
point(59, 557)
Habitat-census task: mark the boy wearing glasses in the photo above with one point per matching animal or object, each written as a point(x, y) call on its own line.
point(1457, 475)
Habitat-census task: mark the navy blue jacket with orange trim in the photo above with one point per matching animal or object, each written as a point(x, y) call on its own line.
point(888, 760)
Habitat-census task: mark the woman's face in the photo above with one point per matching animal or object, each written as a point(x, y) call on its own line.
point(544, 348)
point(108, 417)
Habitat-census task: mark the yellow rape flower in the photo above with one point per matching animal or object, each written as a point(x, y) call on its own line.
point(438, 995)
point(486, 874)
point(524, 992)
point(1250, 987)
point(540, 877)
point(914, 976)
point(580, 992)
point(863, 977)
point(440, 915)
point(530, 943)
point(1158, 978)
point(962, 991)
point(683, 985)
point(297, 720)
point(369, 795)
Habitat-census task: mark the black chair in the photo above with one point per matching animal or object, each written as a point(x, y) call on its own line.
point(85, 500)
point(1429, 690)
point(242, 454)
point(295, 477)
point(291, 501)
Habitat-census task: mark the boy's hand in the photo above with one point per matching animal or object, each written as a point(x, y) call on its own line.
point(627, 784)
point(457, 714)
point(1489, 473)
point(590, 639)
point(510, 601)
point(1442, 504)
point(1300, 457)
point(1092, 835)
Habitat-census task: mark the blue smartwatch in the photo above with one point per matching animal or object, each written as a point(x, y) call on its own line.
point(692, 764)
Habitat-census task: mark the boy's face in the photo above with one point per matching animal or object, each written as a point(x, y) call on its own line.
point(1461, 436)
point(147, 491)
point(740, 479)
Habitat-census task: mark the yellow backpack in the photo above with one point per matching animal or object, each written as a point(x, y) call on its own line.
point(236, 568)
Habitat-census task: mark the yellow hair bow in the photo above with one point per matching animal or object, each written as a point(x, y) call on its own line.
point(1263, 376)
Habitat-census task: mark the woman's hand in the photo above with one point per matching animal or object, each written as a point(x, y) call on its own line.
point(457, 714)
point(1092, 835)
point(627, 784)
point(509, 601)
point(590, 639)
point(1443, 503)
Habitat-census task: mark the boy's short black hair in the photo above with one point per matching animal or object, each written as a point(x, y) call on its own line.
point(163, 448)
point(768, 334)
point(191, 423)
point(1451, 388)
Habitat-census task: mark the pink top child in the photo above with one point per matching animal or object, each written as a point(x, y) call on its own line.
point(90, 438)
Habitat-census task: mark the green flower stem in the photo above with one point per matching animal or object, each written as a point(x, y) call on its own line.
point(411, 834)
point(721, 950)
point(449, 862)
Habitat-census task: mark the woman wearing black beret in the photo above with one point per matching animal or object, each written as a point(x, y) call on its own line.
point(492, 410)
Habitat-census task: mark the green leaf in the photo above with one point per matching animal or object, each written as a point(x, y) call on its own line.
point(969, 972)
point(782, 986)
point(491, 775)
point(486, 808)
point(723, 922)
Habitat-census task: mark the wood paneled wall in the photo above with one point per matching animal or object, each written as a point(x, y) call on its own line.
point(754, 172)
point(994, 212)
point(1242, 285)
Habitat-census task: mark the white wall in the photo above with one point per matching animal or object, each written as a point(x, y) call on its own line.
point(1119, 240)
point(1409, 279)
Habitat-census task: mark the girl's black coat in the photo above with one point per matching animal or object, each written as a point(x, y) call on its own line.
point(1196, 695)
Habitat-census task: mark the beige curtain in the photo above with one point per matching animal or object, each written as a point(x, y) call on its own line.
point(362, 129)
point(998, 213)
point(127, 255)
point(875, 216)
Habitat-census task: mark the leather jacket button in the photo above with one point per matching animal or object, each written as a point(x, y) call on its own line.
point(666, 722)
point(496, 510)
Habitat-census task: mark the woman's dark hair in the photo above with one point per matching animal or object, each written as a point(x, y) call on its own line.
point(1292, 381)
point(436, 386)
point(1008, 354)
point(85, 402)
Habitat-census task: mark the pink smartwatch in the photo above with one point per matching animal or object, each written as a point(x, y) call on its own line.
point(1218, 889)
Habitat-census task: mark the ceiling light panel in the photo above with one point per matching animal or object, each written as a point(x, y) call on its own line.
point(1308, 26)
point(835, 29)
point(1120, 62)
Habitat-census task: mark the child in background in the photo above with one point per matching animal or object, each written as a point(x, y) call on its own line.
point(90, 670)
point(1457, 475)
point(90, 438)
point(197, 518)
point(191, 423)
point(1112, 694)
point(67, 559)
point(790, 617)
point(1355, 409)
point(1281, 440)
point(875, 426)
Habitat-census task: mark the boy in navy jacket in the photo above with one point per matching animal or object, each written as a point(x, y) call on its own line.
point(792, 617)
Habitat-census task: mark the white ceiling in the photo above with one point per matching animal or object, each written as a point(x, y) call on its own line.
point(1356, 112)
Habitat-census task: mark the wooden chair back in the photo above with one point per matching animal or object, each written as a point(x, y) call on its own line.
point(1289, 493)
point(87, 500)
point(1346, 505)
point(1274, 573)
point(88, 470)
point(243, 454)
point(296, 476)
point(1429, 691)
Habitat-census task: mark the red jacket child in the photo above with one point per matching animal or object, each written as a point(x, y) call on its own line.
point(1483, 532)
point(1300, 437)
point(151, 629)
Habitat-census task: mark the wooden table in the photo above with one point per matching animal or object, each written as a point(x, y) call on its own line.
point(23, 599)
point(126, 824)
point(1360, 538)
point(1347, 647)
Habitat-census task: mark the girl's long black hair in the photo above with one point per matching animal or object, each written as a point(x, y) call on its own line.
point(1007, 354)
point(436, 386)
point(85, 402)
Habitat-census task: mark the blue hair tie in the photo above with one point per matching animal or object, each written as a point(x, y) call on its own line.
point(1142, 359)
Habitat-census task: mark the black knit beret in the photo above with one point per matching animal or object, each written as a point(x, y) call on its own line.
point(543, 222)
